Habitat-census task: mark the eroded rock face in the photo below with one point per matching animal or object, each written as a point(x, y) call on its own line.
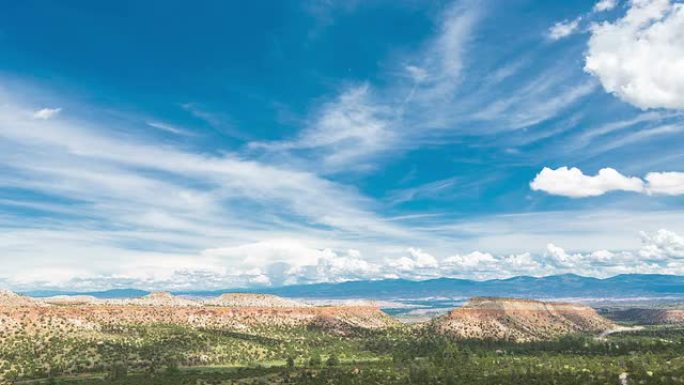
point(161, 298)
point(238, 311)
point(650, 316)
point(11, 299)
point(253, 300)
point(66, 300)
point(201, 317)
point(518, 320)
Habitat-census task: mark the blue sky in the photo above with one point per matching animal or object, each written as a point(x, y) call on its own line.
point(182, 145)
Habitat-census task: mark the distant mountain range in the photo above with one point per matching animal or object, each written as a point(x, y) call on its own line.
point(556, 286)
point(105, 294)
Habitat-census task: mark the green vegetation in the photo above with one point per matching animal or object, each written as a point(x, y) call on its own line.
point(124, 351)
point(173, 354)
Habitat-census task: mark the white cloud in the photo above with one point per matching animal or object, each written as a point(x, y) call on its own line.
point(366, 122)
point(422, 259)
point(417, 264)
point(79, 161)
point(444, 57)
point(662, 246)
point(571, 182)
point(46, 113)
point(660, 252)
point(349, 129)
point(477, 261)
point(195, 201)
point(431, 190)
point(470, 261)
point(264, 253)
point(340, 267)
point(484, 265)
point(605, 5)
point(667, 183)
point(639, 57)
point(168, 128)
point(275, 263)
point(536, 101)
point(293, 261)
point(437, 69)
point(563, 29)
point(558, 256)
point(418, 74)
point(157, 206)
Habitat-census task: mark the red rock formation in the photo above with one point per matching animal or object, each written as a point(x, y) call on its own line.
point(518, 320)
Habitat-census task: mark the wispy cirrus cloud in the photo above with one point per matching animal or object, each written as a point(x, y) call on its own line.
point(127, 201)
point(348, 129)
point(110, 207)
point(427, 190)
point(564, 29)
point(127, 167)
point(46, 113)
point(433, 94)
point(438, 68)
point(168, 128)
point(605, 5)
point(366, 121)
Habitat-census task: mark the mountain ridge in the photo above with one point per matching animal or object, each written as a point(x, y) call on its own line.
point(553, 286)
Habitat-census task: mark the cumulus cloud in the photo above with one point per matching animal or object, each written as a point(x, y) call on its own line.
point(264, 253)
point(557, 256)
point(660, 252)
point(292, 261)
point(667, 183)
point(662, 245)
point(573, 183)
point(46, 113)
point(639, 57)
point(417, 264)
point(340, 267)
point(605, 5)
point(473, 260)
point(483, 265)
point(276, 262)
point(563, 29)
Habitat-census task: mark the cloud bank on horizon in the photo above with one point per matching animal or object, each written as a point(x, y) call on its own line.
point(297, 144)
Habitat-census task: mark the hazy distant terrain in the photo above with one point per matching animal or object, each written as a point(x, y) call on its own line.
point(555, 286)
point(422, 299)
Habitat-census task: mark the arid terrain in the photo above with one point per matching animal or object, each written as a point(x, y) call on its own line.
point(69, 338)
point(70, 335)
point(647, 315)
point(519, 320)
